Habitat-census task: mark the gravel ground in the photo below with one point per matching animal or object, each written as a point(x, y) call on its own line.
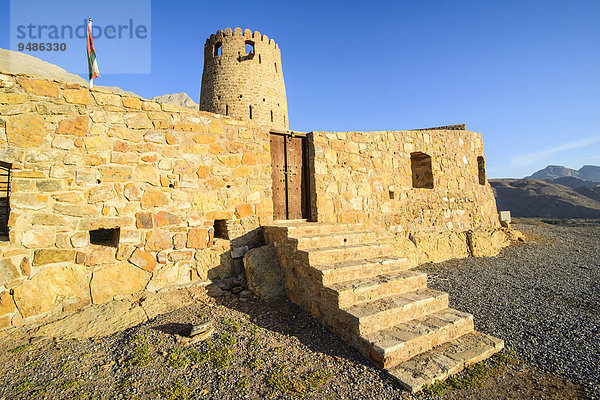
point(542, 298)
point(278, 351)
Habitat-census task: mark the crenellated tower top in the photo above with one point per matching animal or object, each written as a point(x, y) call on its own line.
point(243, 78)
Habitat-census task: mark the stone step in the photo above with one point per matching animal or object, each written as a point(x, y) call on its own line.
point(336, 239)
point(296, 229)
point(381, 314)
point(346, 294)
point(346, 253)
point(445, 360)
point(399, 343)
point(359, 269)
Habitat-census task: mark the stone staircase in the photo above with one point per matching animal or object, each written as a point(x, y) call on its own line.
point(343, 275)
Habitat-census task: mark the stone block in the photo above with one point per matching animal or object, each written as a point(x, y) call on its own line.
point(77, 126)
point(143, 260)
point(180, 255)
point(169, 275)
point(105, 223)
point(182, 167)
point(179, 240)
point(138, 121)
point(48, 185)
point(202, 171)
point(146, 173)
point(243, 210)
point(124, 133)
point(155, 137)
point(158, 239)
point(40, 87)
point(131, 192)
point(144, 220)
point(124, 251)
point(239, 252)
point(115, 174)
point(8, 271)
point(118, 279)
point(28, 201)
point(107, 99)
point(5, 322)
point(100, 194)
point(12, 98)
point(80, 239)
point(249, 158)
point(52, 256)
point(75, 210)
point(77, 96)
point(154, 198)
point(100, 256)
point(49, 286)
point(165, 218)
point(25, 130)
point(34, 238)
point(204, 139)
point(483, 243)
point(132, 102)
point(197, 238)
point(264, 274)
point(7, 305)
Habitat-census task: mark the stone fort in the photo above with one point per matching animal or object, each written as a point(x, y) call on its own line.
point(105, 195)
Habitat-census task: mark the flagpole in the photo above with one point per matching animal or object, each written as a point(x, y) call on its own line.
point(91, 78)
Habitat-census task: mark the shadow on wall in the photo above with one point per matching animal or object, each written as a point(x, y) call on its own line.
point(233, 251)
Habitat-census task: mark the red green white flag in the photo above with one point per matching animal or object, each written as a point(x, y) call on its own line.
point(91, 54)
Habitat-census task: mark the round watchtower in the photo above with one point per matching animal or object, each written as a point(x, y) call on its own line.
point(243, 78)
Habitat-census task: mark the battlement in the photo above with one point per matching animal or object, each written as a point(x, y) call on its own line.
point(243, 78)
point(246, 34)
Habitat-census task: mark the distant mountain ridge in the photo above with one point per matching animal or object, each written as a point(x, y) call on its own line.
point(566, 197)
point(585, 173)
point(177, 99)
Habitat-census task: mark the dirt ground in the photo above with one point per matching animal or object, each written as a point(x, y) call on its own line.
point(257, 351)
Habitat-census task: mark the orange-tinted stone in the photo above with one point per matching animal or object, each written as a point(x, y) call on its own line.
point(77, 126)
point(25, 130)
point(154, 198)
point(143, 260)
point(202, 171)
point(197, 238)
point(243, 210)
point(165, 218)
point(144, 220)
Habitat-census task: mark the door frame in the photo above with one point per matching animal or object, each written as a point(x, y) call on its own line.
point(306, 170)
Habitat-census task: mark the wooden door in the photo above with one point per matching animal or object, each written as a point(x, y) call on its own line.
point(295, 177)
point(278, 175)
point(288, 154)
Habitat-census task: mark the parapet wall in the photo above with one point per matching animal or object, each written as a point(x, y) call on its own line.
point(367, 177)
point(159, 175)
point(241, 84)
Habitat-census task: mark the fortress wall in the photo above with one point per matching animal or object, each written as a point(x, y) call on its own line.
point(234, 81)
point(358, 173)
point(84, 160)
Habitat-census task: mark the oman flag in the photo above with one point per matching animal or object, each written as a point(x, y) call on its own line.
point(91, 54)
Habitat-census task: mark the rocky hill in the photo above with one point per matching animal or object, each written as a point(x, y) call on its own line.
point(20, 63)
point(558, 198)
point(585, 173)
point(177, 99)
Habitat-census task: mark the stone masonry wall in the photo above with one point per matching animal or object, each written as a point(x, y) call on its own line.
point(85, 160)
point(234, 81)
point(366, 177)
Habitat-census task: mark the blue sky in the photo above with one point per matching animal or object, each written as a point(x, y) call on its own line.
point(523, 73)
